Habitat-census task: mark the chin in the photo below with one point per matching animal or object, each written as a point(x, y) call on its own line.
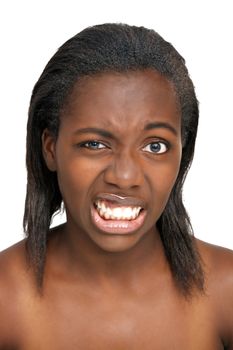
point(116, 243)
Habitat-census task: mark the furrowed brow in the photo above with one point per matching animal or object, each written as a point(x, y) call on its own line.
point(160, 125)
point(98, 131)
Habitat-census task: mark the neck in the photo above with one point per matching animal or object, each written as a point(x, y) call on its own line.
point(79, 255)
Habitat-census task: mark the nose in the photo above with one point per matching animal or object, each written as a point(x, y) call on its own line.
point(124, 172)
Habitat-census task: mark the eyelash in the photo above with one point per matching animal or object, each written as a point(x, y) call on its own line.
point(163, 147)
point(87, 145)
point(163, 144)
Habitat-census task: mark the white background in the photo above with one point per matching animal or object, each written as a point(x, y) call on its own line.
point(31, 31)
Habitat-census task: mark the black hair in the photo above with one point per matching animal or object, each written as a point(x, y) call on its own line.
point(99, 49)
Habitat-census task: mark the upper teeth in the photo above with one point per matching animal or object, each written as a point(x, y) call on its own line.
point(117, 213)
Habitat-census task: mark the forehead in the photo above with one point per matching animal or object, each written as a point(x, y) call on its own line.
point(135, 95)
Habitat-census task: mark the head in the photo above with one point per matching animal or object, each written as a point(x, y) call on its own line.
point(102, 53)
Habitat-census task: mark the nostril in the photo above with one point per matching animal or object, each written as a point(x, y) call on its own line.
point(124, 174)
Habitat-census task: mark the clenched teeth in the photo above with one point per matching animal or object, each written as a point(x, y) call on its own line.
point(117, 213)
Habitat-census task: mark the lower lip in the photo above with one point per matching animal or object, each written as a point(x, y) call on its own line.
point(117, 226)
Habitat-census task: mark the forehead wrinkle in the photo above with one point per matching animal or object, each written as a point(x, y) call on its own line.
point(118, 117)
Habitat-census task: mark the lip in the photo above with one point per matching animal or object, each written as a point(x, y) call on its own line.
point(117, 227)
point(121, 200)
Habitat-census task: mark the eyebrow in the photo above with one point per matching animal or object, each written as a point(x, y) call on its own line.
point(101, 132)
point(159, 125)
point(108, 134)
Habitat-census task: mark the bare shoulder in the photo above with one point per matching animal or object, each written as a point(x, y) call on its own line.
point(218, 266)
point(13, 266)
point(218, 262)
point(14, 287)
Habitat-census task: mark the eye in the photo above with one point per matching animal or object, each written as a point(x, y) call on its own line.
point(157, 147)
point(95, 145)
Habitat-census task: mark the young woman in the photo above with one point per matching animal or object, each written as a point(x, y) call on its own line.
point(111, 134)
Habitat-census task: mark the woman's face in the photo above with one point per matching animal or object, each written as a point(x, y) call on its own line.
point(117, 156)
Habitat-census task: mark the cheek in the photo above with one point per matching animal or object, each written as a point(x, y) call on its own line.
point(163, 181)
point(75, 178)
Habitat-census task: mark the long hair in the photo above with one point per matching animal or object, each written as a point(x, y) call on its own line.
point(99, 49)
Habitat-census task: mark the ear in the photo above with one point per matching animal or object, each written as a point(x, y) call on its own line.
point(49, 150)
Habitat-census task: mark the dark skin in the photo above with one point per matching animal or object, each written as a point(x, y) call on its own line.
point(114, 290)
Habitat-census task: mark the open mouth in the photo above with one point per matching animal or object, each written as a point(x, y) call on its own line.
point(111, 217)
point(108, 212)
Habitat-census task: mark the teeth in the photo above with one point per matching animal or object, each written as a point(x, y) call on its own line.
point(116, 212)
point(106, 215)
point(119, 213)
